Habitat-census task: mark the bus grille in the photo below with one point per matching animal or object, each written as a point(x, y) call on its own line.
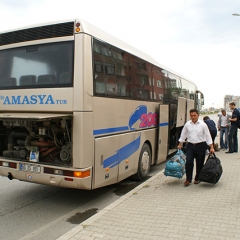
point(37, 33)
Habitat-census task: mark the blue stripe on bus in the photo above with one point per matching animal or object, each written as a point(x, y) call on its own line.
point(122, 154)
point(140, 110)
point(110, 130)
point(163, 124)
point(119, 129)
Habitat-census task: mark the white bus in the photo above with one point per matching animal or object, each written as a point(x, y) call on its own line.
point(82, 109)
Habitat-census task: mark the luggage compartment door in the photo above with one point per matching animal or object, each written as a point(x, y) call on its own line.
point(115, 158)
point(104, 174)
point(163, 133)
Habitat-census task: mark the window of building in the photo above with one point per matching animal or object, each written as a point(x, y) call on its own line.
point(105, 51)
point(121, 89)
point(117, 55)
point(96, 48)
point(98, 66)
point(141, 66)
point(120, 70)
point(143, 79)
point(159, 84)
point(154, 95)
point(111, 88)
point(100, 87)
point(143, 94)
point(109, 68)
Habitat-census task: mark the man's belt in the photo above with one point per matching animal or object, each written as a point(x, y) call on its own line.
point(197, 143)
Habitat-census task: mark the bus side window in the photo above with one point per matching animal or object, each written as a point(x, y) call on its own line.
point(8, 82)
point(46, 79)
point(27, 80)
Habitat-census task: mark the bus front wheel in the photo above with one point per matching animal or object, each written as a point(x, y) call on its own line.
point(144, 163)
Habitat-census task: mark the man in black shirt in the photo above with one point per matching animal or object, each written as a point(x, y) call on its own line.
point(233, 139)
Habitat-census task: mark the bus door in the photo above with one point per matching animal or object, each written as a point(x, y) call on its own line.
point(163, 133)
point(181, 112)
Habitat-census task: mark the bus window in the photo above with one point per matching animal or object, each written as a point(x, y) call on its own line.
point(188, 88)
point(157, 83)
point(109, 70)
point(172, 85)
point(45, 62)
point(120, 74)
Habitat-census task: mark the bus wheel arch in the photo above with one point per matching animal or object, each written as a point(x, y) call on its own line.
point(144, 162)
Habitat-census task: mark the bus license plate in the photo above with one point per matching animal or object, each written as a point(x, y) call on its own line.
point(29, 168)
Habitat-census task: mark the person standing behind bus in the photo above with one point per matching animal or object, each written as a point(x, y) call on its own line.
point(223, 127)
point(232, 138)
point(197, 134)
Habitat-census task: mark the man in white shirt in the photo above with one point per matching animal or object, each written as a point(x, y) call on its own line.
point(197, 134)
point(223, 127)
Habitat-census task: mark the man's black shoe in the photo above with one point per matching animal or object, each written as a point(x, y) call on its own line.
point(228, 152)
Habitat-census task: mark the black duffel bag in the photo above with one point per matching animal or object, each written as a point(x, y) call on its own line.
point(211, 171)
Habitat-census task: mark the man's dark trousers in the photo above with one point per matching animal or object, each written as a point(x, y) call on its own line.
point(195, 151)
point(233, 139)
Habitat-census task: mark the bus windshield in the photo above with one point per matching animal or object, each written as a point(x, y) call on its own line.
point(37, 66)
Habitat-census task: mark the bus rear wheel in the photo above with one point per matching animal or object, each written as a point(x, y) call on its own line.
point(144, 163)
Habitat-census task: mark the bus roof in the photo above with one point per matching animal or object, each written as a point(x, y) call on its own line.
point(106, 37)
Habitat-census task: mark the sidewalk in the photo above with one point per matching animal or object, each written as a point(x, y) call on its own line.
point(162, 208)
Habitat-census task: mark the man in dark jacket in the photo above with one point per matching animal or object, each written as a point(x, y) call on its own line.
point(233, 139)
point(211, 126)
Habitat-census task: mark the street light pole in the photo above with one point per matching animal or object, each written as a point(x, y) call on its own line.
point(236, 14)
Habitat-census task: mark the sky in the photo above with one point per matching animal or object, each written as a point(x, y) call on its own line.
point(198, 39)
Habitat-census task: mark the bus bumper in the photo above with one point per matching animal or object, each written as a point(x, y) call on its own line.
point(49, 179)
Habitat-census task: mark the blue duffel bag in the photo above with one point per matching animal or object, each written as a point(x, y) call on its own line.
point(175, 167)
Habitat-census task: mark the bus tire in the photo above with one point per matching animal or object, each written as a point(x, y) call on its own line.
point(144, 163)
